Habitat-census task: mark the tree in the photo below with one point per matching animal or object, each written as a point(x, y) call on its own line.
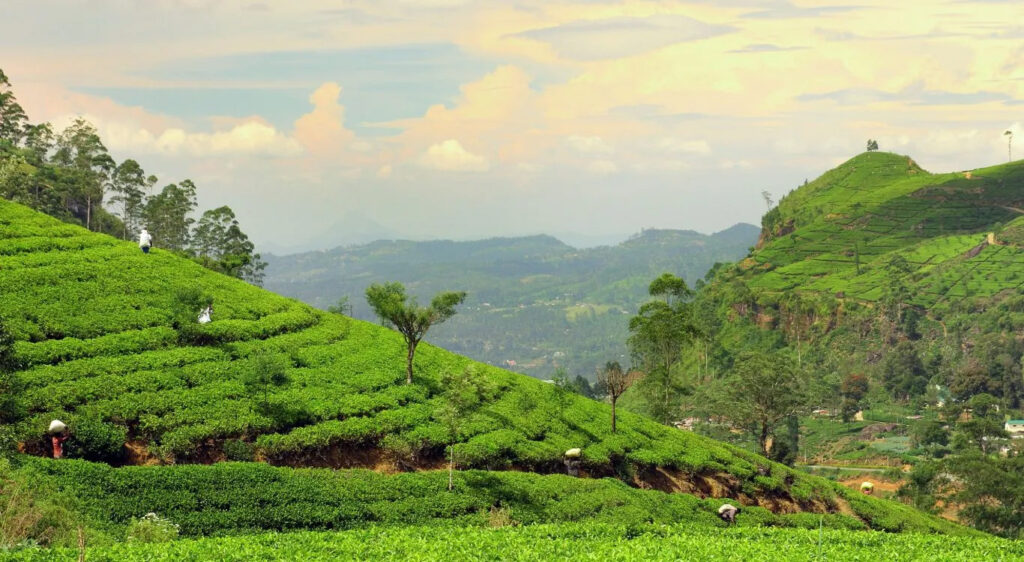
point(129, 184)
point(220, 245)
point(853, 389)
point(267, 372)
point(984, 430)
point(991, 490)
point(394, 308)
point(343, 307)
point(1009, 145)
point(763, 390)
point(872, 145)
point(658, 333)
point(617, 382)
point(13, 119)
point(903, 372)
point(167, 215)
point(87, 167)
point(464, 392)
point(767, 198)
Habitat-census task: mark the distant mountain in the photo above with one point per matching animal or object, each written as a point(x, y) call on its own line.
point(353, 229)
point(533, 300)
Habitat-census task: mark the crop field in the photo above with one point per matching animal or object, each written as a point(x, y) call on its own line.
point(571, 541)
point(933, 221)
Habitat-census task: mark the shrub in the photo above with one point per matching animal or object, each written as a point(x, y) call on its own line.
point(95, 440)
point(238, 450)
point(152, 528)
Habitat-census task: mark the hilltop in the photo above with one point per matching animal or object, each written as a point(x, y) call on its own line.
point(93, 324)
point(533, 300)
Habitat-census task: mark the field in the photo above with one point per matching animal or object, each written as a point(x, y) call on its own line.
point(578, 541)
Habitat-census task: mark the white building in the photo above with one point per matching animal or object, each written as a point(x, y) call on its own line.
point(1015, 428)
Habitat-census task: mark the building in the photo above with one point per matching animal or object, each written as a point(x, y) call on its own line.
point(1015, 428)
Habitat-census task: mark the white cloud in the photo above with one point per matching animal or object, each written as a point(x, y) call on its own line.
point(250, 137)
point(588, 145)
point(679, 146)
point(451, 156)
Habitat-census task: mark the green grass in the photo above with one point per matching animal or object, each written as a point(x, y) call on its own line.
point(575, 541)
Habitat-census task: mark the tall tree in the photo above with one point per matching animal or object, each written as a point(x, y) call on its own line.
point(13, 119)
point(168, 215)
point(403, 313)
point(87, 167)
point(220, 244)
point(658, 334)
point(1009, 145)
point(616, 381)
point(129, 184)
point(763, 390)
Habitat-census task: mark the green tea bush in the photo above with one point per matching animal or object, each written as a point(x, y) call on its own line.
point(95, 440)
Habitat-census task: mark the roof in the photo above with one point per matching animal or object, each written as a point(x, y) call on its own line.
point(1015, 422)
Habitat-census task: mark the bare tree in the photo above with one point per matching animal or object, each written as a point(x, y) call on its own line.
point(1009, 145)
point(617, 382)
point(767, 198)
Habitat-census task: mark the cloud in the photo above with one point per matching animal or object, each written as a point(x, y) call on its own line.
point(765, 48)
point(611, 38)
point(450, 156)
point(787, 10)
point(588, 145)
point(677, 146)
point(322, 130)
point(251, 138)
point(913, 95)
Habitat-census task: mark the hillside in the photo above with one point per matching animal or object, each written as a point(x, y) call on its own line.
point(879, 271)
point(532, 300)
point(92, 318)
point(836, 234)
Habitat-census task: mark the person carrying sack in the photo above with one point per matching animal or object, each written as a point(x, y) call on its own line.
point(58, 435)
point(145, 241)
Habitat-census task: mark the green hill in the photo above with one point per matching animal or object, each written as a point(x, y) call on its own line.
point(532, 300)
point(836, 234)
point(93, 321)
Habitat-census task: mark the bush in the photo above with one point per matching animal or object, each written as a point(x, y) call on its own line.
point(95, 440)
point(152, 528)
point(237, 450)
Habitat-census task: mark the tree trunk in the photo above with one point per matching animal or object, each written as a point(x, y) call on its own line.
point(451, 467)
point(762, 439)
point(614, 398)
point(408, 362)
point(88, 213)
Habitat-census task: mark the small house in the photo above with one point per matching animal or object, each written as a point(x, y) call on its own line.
point(1015, 428)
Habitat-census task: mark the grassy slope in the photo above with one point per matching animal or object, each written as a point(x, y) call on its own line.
point(878, 205)
point(92, 318)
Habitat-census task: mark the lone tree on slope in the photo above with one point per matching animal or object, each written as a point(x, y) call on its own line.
point(394, 308)
point(872, 145)
point(617, 382)
point(1009, 145)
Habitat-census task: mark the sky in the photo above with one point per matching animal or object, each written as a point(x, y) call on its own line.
point(321, 121)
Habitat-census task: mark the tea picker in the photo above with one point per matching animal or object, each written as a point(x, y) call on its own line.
point(145, 241)
point(728, 513)
point(58, 435)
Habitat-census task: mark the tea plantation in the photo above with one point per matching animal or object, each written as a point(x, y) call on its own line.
point(567, 541)
point(836, 234)
point(100, 342)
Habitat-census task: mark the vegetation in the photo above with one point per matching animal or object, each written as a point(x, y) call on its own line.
point(394, 308)
point(71, 176)
point(533, 304)
point(562, 541)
